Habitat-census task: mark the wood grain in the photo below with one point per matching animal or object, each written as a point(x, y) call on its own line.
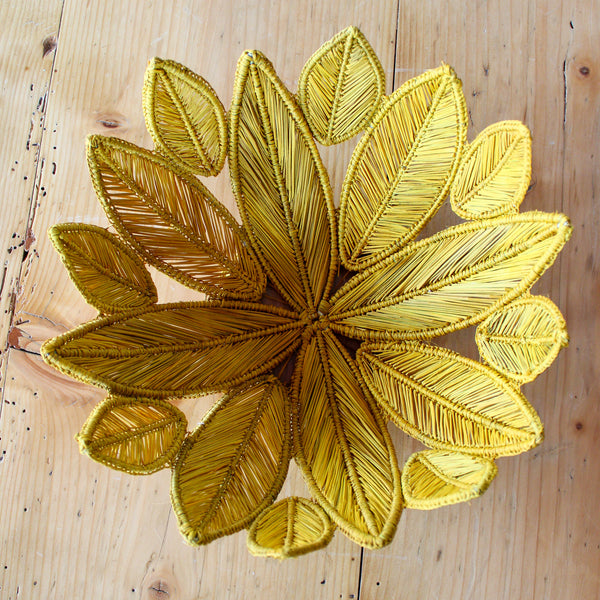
point(73, 529)
point(533, 534)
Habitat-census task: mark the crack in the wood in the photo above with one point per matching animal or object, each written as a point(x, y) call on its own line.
point(395, 46)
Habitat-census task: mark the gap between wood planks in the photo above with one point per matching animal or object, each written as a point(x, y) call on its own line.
point(362, 550)
point(48, 45)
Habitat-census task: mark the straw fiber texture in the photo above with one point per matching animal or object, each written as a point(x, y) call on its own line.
point(317, 325)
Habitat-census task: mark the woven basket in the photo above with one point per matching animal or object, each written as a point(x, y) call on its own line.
point(316, 323)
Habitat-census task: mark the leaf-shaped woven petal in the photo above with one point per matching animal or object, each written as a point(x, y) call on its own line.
point(342, 445)
point(434, 478)
point(281, 185)
point(522, 339)
point(340, 87)
point(291, 527)
point(107, 273)
point(184, 117)
point(402, 167)
point(448, 401)
point(172, 220)
point(494, 173)
point(451, 280)
point(177, 349)
point(136, 435)
point(232, 467)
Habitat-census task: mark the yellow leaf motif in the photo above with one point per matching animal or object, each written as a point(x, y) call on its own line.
point(232, 467)
point(340, 87)
point(434, 478)
point(494, 174)
point(342, 445)
point(291, 527)
point(402, 168)
point(136, 435)
point(281, 186)
point(451, 280)
point(184, 117)
point(172, 220)
point(448, 401)
point(107, 273)
point(522, 339)
point(179, 349)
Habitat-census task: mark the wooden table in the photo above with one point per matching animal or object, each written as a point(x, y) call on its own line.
point(70, 528)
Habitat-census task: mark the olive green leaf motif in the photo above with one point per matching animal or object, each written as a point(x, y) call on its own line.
point(291, 527)
point(133, 434)
point(316, 325)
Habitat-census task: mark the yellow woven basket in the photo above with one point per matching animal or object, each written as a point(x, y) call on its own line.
point(316, 323)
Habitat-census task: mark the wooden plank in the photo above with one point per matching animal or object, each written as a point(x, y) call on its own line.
point(534, 534)
point(29, 32)
point(87, 531)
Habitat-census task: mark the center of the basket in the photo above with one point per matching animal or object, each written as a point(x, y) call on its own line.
point(315, 319)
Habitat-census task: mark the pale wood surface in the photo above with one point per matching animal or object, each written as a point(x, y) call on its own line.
point(70, 528)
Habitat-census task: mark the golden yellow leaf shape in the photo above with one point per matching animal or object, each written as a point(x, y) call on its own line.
point(136, 435)
point(340, 87)
point(233, 465)
point(281, 186)
point(184, 117)
point(342, 445)
point(451, 280)
point(107, 273)
point(434, 478)
point(448, 401)
point(180, 349)
point(494, 173)
point(291, 527)
point(522, 339)
point(402, 168)
point(172, 220)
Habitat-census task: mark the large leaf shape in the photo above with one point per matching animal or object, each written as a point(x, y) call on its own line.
point(281, 186)
point(172, 220)
point(233, 465)
point(448, 401)
point(494, 173)
point(291, 527)
point(177, 349)
point(450, 280)
point(434, 478)
point(342, 445)
point(340, 87)
point(522, 339)
point(184, 117)
point(136, 435)
point(107, 273)
point(402, 167)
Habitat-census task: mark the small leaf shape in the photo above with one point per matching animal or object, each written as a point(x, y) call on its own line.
point(185, 117)
point(291, 527)
point(434, 478)
point(136, 435)
point(281, 185)
point(448, 401)
point(233, 465)
point(172, 220)
point(342, 444)
point(182, 349)
point(340, 87)
point(402, 168)
point(522, 339)
point(451, 280)
point(494, 173)
point(107, 273)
